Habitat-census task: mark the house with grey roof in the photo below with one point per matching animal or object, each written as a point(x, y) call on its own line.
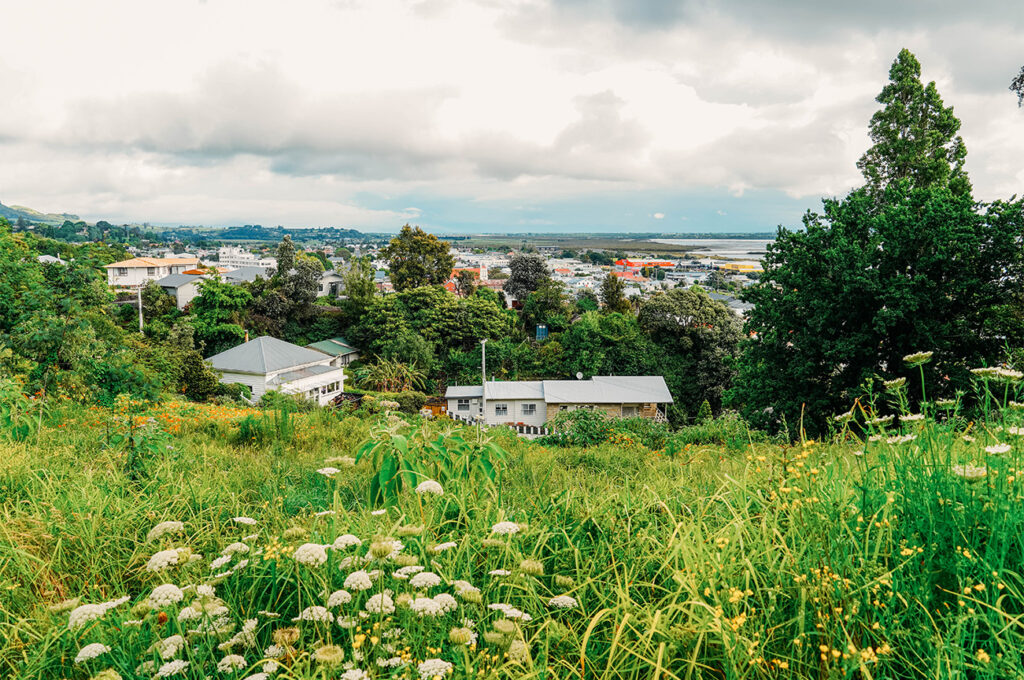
point(343, 353)
point(535, 402)
point(182, 287)
point(266, 364)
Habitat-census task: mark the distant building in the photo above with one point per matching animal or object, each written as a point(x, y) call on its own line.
point(331, 284)
point(343, 353)
point(237, 276)
point(232, 256)
point(266, 364)
point(534, 402)
point(139, 270)
point(182, 287)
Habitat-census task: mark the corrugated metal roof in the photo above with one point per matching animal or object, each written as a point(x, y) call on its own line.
point(245, 274)
point(307, 372)
point(634, 389)
point(335, 347)
point(265, 355)
point(177, 280)
point(520, 389)
point(463, 391)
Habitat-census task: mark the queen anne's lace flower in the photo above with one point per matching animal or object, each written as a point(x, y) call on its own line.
point(165, 595)
point(433, 667)
point(505, 528)
point(84, 614)
point(171, 668)
point(311, 554)
point(426, 579)
point(316, 613)
point(500, 572)
point(446, 602)
point(231, 663)
point(425, 606)
point(345, 541)
point(441, 547)
point(563, 602)
point(338, 598)
point(164, 528)
point(235, 548)
point(162, 560)
point(381, 603)
point(354, 674)
point(91, 652)
point(220, 562)
point(169, 647)
point(247, 521)
point(407, 571)
point(429, 486)
point(970, 472)
point(328, 471)
point(358, 580)
point(998, 449)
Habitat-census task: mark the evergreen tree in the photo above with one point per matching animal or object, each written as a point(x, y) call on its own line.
point(528, 273)
point(416, 258)
point(613, 295)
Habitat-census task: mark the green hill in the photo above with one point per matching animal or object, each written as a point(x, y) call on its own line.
point(13, 212)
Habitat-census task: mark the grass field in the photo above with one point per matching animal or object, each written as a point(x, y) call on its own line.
point(844, 560)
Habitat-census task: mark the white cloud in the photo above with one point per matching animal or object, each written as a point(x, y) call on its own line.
point(658, 216)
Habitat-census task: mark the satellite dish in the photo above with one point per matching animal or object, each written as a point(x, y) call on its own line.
point(579, 375)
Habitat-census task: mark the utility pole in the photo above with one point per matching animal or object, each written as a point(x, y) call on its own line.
point(139, 291)
point(483, 377)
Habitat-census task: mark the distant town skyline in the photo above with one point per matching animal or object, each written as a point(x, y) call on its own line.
point(474, 116)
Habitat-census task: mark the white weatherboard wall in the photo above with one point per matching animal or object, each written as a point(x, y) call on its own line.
point(474, 407)
point(515, 412)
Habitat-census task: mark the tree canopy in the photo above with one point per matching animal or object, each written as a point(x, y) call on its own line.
point(416, 258)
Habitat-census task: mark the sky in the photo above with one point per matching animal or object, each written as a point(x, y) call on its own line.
point(481, 116)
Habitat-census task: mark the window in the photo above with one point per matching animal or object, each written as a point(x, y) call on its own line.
point(150, 271)
point(529, 409)
point(122, 271)
point(463, 404)
point(629, 411)
point(501, 409)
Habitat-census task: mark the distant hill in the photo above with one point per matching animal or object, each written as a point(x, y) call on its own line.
point(14, 212)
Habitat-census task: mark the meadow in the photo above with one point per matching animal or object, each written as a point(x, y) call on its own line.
point(199, 541)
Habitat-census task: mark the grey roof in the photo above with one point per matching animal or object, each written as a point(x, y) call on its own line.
point(244, 274)
point(463, 391)
point(50, 259)
point(265, 355)
point(298, 374)
point(614, 389)
point(601, 389)
point(520, 389)
point(177, 280)
point(334, 347)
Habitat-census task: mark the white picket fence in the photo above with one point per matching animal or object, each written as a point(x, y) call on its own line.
point(528, 431)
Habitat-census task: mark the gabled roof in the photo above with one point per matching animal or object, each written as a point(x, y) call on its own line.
point(463, 391)
point(300, 373)
point(154, 262)
point(518, 389)
point(335, 347)
point(265, 355)
point(607, 389)
point(245, 274)
point(177, 280)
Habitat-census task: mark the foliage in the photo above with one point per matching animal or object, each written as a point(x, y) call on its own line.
point(216, 315)
point(416, 258)
point(613, 295)
point(390, 375)
point(546, 305)
point(20, 415)
point(914, 136)
point(528, 274)
point(1017, 87)
point(465, 283)
point(360, 287)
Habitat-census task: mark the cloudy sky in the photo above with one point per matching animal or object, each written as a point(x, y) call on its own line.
point(481, 115)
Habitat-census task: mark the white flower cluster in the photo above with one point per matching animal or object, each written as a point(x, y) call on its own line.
point(165, 596)
point(563, 602)
point(247, 521)
point(235, 549)
point(358, 580)
point(509, 611)
point(91, 652)
point(407, 571)
point(441, 547)
point(316, 613)
point(172, 668)
point(164, 528)
point(997, 449)
point(87, 613)
point(505, 528)
point(328, 471)
point(338, 598)
point(424, 580)
point(433, 667)
point(231, 663)
point(970, 472)
point(354, 674)
point(429, 486)
point(162, 560)
point(381, 603)
point(311, 554)
point(346, 541)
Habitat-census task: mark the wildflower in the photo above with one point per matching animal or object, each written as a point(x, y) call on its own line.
point(1016, 431)
point(107, 674)
point(425, 606)
point(284, 637)
point(328, 471)
point(563, 602)
point(441, 547)
point(169, 647)
point(843, 417)
point(310, 554)
point(170, 668)
point(165, 595)
point(945, 403)
point(564, 581)
point(429, 486)
point(970, 472)
point(162, 560)
point(432, 668)
point(91, 652)
point(220, 562)
point(84, 614)
point(518, 652)
point(983, 656)
point(505, 528)
point(895, 383)
point(410, 530)
point(532, 567)
point(880, 420)
point(345, 541)
point(378, 513)
point(446, 602)
point(235, 548)
point(64, 605)
point(381, 603)
point(257, 676)
point(295, 533)
point(461, 636)
point(164, 528)
point(358, 580)
point(230, 663)
point(343, 461)
point(912, 417)
point(504, 627)
point(500, 572)
point(329, 655)
point(998, 449)
point(338, 598)
point(509, 611)
point(918, 358)
point(859, 452)
point(248, 521)
point(425, 580)
point(354, 674)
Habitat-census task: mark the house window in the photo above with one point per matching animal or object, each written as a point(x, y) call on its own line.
point(529, 409)
point(629, 411)
point(150, 271)
point(501, 409)
point(463, 404)
point(122, 271)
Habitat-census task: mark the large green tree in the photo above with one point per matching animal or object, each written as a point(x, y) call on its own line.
point(416, 258)
point(907, 263)
point(1017, 86)
point(914, 136)
point(528, 273)
point(613, 295)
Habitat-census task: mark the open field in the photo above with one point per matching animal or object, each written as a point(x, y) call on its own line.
point(582, 242)
point(730, 559)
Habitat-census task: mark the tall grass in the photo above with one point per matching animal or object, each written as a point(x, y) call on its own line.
point(747, 560)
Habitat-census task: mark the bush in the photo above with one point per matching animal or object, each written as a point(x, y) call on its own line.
point(580, 427)
point(729, 430)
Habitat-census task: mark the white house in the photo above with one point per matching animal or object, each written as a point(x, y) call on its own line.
point(138, 270)
point(266, 364)
point(534, 402)
point(341, 353)
point(232, 256)
point(331, 283)
point(182, 287)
